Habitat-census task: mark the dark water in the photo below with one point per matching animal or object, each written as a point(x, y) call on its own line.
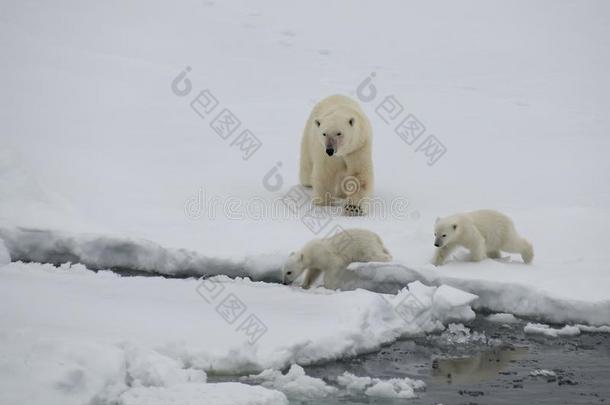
point(493, 369)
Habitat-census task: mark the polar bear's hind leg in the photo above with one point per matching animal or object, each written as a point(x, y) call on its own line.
point(517, 244)
point(525, 249)
point(385, 255)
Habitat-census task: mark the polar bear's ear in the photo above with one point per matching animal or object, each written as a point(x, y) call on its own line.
point(317, 122)
point(351, 122)
point(454, 227)
point(437, 219)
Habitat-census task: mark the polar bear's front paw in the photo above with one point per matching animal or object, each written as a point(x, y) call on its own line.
point(352, 210)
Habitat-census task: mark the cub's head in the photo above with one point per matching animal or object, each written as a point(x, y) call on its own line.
point(339, 132)
point(446, 230)
point(294, 266)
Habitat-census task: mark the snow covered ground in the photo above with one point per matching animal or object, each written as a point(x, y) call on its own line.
point(106, 158)
point(82, 335)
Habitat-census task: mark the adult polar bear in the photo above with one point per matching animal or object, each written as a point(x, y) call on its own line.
point(336, 154)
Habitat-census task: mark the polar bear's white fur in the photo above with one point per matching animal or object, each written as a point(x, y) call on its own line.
point(485, 233)
point(332, 255)
point(336, 154)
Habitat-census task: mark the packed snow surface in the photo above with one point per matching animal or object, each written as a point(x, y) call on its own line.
point(90, 335)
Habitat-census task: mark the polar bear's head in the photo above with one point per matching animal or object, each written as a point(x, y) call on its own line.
point(446, 230)
point(294, 266)
point(339, 132)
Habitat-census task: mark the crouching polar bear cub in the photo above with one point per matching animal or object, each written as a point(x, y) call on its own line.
point(336, 154)
point(485, 233)
point(332, 255)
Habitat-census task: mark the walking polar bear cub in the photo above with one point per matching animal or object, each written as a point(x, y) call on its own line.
point(336, 154)
point(485, 233)
point(332, 255)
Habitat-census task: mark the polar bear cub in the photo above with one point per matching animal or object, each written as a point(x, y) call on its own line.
point(485, 233)
point(332, 255)
point(336, 154)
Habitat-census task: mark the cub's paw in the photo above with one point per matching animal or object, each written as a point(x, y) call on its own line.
point(352, 210)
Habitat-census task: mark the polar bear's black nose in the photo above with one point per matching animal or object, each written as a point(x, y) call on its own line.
point(330, 151)
point(436, 244)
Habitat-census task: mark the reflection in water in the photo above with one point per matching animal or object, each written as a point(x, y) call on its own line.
point(477, 368)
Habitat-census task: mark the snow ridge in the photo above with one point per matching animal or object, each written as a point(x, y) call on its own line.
point(139, 256)
point(127, 255)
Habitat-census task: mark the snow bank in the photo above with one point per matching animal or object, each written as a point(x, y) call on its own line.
point(567, 330)
point(37, 369)
point(148, 368)
point(375, 387)
point(432, 307)
point(523, 296)
point(295, 383)
point(529, 300)
point(500, 288)
point(101, 335)
point(296, 325)
point(208, 394)
point(382, 277)
point(129, 255)
point(453, 304)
